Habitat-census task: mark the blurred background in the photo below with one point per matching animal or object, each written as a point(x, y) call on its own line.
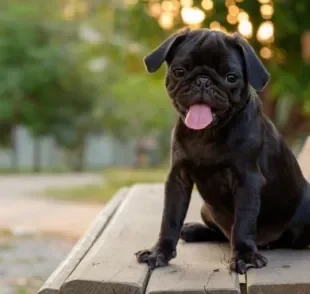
point(80, 117)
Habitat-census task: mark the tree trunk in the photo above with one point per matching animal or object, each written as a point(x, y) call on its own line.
point(37, 155)
point(14, 153)
point(80, 156)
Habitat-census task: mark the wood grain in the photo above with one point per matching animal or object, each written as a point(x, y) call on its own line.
point(110, 266)
point(56, 280)
point(288, 272)
point(199, 268)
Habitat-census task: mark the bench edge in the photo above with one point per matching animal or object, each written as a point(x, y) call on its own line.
point(80, 249)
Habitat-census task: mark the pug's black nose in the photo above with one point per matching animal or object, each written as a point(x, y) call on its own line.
point(203, 82)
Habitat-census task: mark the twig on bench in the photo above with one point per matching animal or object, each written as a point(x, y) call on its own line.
point(209, 278)
point(146, 281)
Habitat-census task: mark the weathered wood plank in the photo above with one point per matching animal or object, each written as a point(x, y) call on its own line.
point(110, 266)
point(198, 269)
point(55, 281)
point(287, 271)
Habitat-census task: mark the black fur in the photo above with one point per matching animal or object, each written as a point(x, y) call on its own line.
point(254, 192)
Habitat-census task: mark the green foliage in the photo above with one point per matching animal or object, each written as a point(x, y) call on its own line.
point(132, 102)
point(142, 103)
point(290, 21)
point(290, 74)
point(46, 83)
point(43, 84)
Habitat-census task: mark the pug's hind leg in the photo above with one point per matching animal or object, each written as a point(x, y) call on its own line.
point(196, 232)
point(206, 232)
point(303, 239)
point(300, 227)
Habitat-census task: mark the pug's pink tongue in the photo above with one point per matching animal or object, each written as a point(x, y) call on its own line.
point(198, 117)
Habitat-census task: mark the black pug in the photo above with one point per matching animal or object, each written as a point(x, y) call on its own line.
point(253, 189)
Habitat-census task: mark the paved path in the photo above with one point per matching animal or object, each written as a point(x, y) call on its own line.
point(22, 212)
point(26, 262)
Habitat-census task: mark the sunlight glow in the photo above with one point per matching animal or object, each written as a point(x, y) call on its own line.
point(215, 25)
point(82, 6)
point(207, 4)
point(192, 15)
point(155, 9)
point(167, 13)
point(245, 28)
point(265, 32)
point(266, 53)
point(69, 11)
point(267, 11)
point(232, 19)
point(166, 20)
point(167, 5)
point(243, 16)
point(233, 10)
point(186, 3)
point(230, 2)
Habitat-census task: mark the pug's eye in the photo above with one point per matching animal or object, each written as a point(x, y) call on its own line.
point(231, 78)
point(179, 72)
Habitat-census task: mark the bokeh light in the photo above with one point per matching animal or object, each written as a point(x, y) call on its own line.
point(230, 2)
point(233, 10)
point(69, 11)
point(243, 16)
point(192, 15)
point(267, 11)
point(245, 28)
point(265, 32)
point(166, 20)
point(186, 3)
point(154, 9)
point(215, 25)
point(207, 4)
point(167, 5)
point(167, 13)
point(266, 53)
point(232, 19)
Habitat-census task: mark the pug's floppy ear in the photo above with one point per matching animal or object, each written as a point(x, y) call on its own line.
point(156, 58)
point(257, 74)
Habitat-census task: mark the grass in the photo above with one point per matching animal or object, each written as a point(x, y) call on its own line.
point(22, 290)
point(5, 233)
point(113, 180)
point(5, 240)
point(9, 171)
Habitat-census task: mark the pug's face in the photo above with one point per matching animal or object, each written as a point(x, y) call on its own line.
point(209, 74)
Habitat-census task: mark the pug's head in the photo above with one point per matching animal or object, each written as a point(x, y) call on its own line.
point(209, 74)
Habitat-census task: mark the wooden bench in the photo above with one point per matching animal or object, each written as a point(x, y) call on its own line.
point(103, 261)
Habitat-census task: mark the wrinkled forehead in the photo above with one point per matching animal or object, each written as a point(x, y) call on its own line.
point(210, 48)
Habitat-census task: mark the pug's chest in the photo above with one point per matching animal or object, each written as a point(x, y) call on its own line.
point(201, 154)
point(216, 184)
